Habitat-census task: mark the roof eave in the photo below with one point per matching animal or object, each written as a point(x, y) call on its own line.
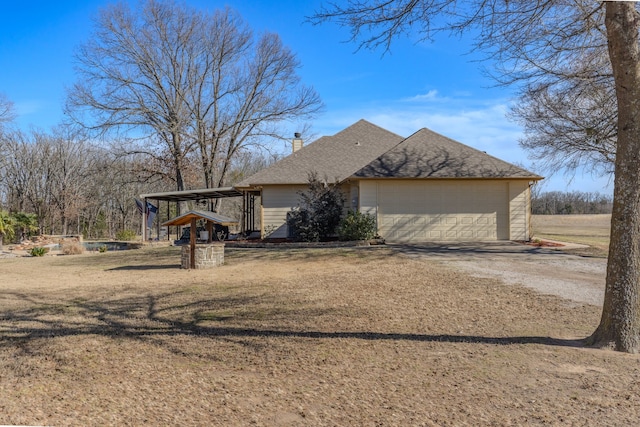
point(529, 178)
point(203, 193)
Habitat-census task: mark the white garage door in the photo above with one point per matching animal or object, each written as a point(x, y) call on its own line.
point(419, 211)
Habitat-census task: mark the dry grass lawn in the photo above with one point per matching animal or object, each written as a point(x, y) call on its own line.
point(334, 337)
point(592, 230)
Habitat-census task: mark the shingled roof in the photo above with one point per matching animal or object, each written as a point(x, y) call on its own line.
point(427, 154)
point(337, 157)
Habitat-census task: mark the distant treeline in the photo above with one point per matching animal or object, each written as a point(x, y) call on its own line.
point(574, 202)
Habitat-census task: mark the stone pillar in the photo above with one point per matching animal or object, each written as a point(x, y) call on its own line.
point(209, 255)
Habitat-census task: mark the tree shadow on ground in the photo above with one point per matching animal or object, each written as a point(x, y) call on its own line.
point(150, 318)
point(145, 267)
point(505, 249)
point(465, 249)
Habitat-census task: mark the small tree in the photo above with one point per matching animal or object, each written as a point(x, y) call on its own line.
point(301, 226)
point(6, 227)
point(319, 212)
point(27, 223)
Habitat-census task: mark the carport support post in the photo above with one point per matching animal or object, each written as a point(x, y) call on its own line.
point(144, 220)
point(158, 220)
point(243, 219)
point(192, 243)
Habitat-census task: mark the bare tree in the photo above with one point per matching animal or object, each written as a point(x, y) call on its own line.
point(132, 75)
point(555, 51)
point(541, 42)
point(71, 167)
point(187, 82)
point(570, 117)
point(574, 202)
point(7, 112)
point(620, 322)
point(571, 125)
point(116, 182)
point(22, 172)
point(246, 88)
point(48, 174)
point(71, 185)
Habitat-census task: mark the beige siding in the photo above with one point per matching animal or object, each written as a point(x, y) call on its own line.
point(369, 197)
point(276, 202)
point(519, 210)
point(422, 210)
point(352, 201)
point(440, 210)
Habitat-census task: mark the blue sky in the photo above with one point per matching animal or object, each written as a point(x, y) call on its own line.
point(434, 85)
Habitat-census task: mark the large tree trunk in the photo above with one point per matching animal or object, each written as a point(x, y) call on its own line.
point(620, 323)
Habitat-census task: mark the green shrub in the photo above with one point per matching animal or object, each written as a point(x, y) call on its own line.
point(357, 226)
point(38, 251)
point(102, 249)
point(126, 235)
point(302, 227)
point(319, 211)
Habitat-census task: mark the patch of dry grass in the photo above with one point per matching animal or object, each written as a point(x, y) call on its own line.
point(295, 337)
point(591, 230)
point(72, 248)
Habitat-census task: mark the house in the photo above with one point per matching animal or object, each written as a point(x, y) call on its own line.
point(426, 187)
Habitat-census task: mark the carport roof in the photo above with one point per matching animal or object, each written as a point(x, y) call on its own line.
point(201, 194)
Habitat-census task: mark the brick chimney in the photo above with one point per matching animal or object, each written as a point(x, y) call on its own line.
point(297, 142)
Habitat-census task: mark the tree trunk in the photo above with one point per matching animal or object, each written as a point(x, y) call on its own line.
point(65, 225)
point(620, 323)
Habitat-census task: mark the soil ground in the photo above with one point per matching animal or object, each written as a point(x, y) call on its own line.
point(555, 270)
point(290, 337)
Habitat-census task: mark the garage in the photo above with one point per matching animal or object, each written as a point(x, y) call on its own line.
point(443, 211)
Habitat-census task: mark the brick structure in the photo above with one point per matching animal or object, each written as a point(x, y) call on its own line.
point(207, 255)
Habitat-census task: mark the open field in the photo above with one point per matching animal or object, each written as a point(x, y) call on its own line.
point(592, 230)
point(351, 336)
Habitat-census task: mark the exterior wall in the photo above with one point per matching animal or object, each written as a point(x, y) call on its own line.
point(519, 210)
point(447, 210)
point(421, 210)
point(354, 196)
point(369, 198)
point(277, 200)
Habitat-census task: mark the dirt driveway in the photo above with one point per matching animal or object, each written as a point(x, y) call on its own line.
point(576, 278)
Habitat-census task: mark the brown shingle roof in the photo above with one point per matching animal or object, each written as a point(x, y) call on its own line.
point(337, 157)
point(427, 154)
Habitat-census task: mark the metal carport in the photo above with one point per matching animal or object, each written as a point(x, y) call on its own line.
point(248, 203)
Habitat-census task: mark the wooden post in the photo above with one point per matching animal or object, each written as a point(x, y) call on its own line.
point(209, 231)
point(192, 243)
